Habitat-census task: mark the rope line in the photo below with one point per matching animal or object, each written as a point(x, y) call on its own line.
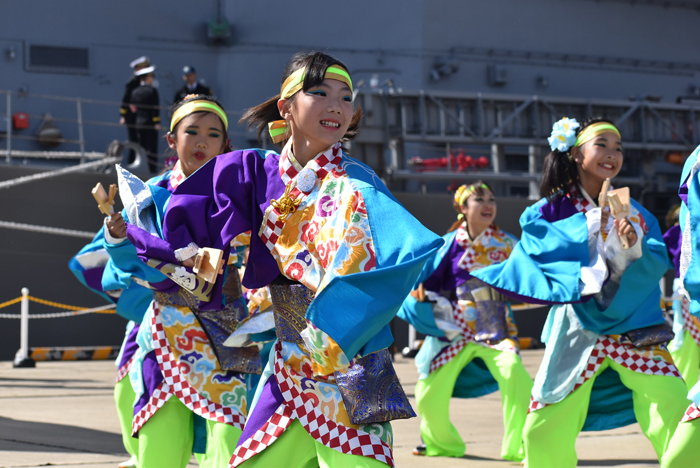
point(47, 230)
point(65, 170)
point(10, 302)
point(105, 309)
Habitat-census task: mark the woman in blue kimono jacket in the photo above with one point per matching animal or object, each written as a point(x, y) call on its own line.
point(191, 392)
point(339, 254)
point(688, 432)
point(606, 332)
point(472, 343)
point(94, 267)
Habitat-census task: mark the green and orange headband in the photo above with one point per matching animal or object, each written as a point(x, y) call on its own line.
point(463, 192)
point(198, 106)
point(292, 85)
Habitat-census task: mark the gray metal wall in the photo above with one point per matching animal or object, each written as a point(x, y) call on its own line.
point(582, 48)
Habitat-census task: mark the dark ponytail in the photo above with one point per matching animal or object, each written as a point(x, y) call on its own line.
point(316, 64)
point(559, 170)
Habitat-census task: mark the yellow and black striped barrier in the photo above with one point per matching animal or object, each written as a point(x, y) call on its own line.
point(74, 353)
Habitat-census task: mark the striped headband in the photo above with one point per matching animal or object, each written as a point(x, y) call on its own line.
point(464, 191)
point(292, 85)
point(594, 130)
point(198, 106)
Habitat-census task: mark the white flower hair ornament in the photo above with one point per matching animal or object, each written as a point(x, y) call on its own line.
point(563, 134)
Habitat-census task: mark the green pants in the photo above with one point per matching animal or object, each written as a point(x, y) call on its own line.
point(687, 360)
point(221, 442)
point(165, 441)
point(550, 433)
point(124, 397)
point(295, 448)
point(433, 401)
point(682, 452)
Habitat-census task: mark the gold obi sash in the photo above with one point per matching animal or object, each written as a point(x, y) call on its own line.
point(219, 324)
point(370, 389)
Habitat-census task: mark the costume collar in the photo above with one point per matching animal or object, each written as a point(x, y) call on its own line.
point(581, 199)
point(464, 241)
point(316, 169)
point(176, 175)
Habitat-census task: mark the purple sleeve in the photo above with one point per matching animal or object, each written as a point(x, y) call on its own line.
point(672, 238)
point(223, 199)
point(212, 206)
point(447, 276)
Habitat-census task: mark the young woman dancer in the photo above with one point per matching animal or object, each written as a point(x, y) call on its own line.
point(682, 450)
point(340, 255)
point(94, 268)
point(180, 346)
point(606, 329)
point(685, 347)
point(471, 321)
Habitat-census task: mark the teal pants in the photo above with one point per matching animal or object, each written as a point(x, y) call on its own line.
point(433, 401)
point(550, 433)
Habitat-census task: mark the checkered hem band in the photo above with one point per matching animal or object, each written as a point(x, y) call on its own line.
point(623, 354)
point(179, 385)
point(322, 165)
point(691, 323)
point(124, 370)
point(299, 406)
point(691, 414)
point(160, 395)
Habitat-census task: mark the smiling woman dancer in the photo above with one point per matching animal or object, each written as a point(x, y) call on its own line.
point(340, 255)
point(465, 320)
point(191, 392)
point(605, 333)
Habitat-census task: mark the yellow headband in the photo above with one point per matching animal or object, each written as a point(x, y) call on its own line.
point(292, 85)
point(198, 106)
point(594, 130)
point(464, 191)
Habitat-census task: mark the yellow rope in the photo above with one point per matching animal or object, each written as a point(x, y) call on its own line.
point(55, 304)
point(9, 303)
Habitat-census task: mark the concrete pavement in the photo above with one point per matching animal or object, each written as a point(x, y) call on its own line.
point(62, 414)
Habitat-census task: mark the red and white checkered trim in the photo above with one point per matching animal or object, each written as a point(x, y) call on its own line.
point(271, 227)
point(300, 406)
point(469, 257)
point(176, 176)
point(690, 322)
point(452, 350)
point(265, 436)
point(579, 201)
point(187, 394)
point(691, 413)
point(123, 370)
point(321, 164)
point(160, 395)
point(622, 354)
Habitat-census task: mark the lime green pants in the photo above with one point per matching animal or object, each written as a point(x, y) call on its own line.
point(295, 448)
point(124, 397)
point(683, 450)
point(165, 441)
point(687, 360)
point(221, 442)
point(550, 433)
point(433, 396)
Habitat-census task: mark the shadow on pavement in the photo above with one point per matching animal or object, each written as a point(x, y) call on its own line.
point(17, 435)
